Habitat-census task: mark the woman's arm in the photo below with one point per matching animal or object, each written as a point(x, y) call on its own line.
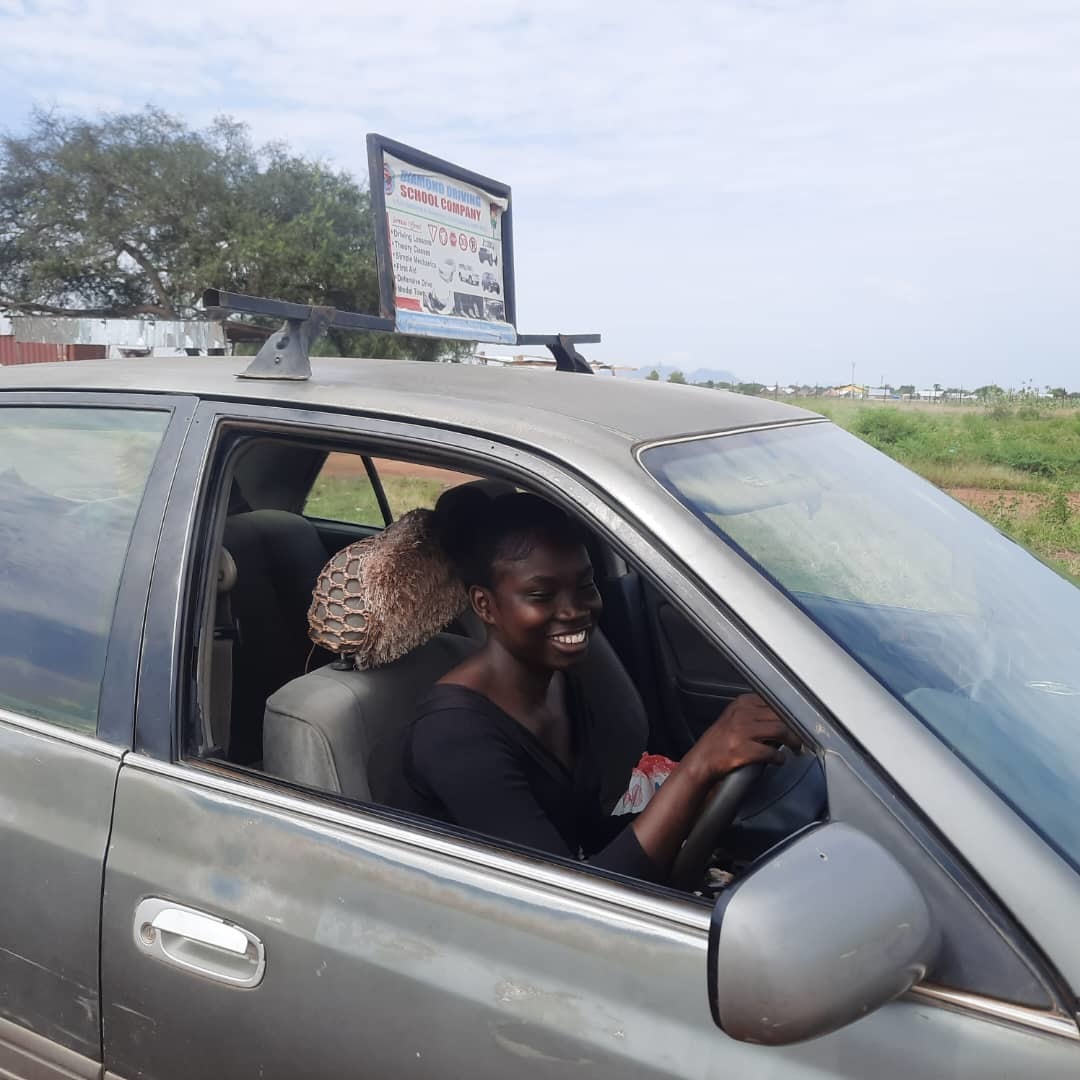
point(747, 731)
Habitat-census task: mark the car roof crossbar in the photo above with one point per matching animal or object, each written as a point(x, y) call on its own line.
point(286, 354)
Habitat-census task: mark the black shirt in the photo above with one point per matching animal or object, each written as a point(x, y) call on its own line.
point(469, 763)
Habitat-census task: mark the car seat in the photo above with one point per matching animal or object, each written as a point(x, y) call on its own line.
point(340, 729)
point(278, 556)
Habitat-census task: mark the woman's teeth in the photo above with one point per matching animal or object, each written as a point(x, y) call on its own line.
point(570, 639)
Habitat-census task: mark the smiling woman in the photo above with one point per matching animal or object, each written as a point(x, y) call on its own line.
point(509, 743)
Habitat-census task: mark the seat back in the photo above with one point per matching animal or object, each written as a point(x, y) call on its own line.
point(342, 730)
point(278, 556)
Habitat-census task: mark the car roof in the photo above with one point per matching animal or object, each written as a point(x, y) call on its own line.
point(535, 406)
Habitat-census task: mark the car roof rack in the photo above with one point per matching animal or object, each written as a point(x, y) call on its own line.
point(286, 354)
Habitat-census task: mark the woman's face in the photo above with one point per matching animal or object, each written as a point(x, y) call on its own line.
point(543, 608)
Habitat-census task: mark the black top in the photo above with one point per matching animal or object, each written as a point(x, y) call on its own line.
point(469, 763)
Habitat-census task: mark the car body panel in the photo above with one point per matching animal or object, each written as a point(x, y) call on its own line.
point(391, 952)
point(56, 793)
point(599, 413)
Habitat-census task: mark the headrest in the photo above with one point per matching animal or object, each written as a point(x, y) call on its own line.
point(384, 596)
point(491, 488)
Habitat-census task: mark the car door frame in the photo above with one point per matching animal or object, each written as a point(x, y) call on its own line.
point(40, 1053)
point(166, 662)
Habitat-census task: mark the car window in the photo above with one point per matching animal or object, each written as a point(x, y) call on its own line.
point(972, 634)
point(70, 485)
point(343, 491)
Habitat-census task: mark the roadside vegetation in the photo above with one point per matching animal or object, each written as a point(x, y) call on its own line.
point(1017, 465)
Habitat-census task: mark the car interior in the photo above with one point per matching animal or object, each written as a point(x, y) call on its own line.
point(271, 702)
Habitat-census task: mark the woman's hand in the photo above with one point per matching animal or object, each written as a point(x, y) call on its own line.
point(747, 731)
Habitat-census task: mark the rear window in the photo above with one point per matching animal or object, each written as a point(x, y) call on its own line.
point(343, 490)
point(71, 481)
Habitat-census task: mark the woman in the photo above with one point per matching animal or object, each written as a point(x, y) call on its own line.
point(502, 745)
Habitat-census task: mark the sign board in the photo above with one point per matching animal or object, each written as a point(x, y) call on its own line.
point(443, 240)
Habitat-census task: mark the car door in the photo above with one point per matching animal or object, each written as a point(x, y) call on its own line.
point(83, 481)
point(251, 928)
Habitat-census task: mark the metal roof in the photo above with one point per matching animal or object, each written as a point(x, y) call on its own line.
point(520, 404)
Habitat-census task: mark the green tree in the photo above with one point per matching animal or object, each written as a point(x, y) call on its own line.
point(136, 214)
point(677, 377)
point(653, 376)
point(908, 389)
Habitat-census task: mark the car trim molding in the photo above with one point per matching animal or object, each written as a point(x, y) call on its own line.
point(991, 1008)
point(26, 1053)
point(53, 730)
point(692, 919)
point(767, 425)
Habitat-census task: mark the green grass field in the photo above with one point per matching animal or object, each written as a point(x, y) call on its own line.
point(351, 498)
point(1019, 466)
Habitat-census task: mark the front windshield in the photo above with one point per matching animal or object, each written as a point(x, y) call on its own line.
point(976, 637)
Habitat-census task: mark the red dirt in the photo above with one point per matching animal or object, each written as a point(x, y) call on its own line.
point(1024, 504)
point(352, 465)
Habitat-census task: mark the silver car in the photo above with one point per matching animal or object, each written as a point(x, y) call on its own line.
point(200, 878)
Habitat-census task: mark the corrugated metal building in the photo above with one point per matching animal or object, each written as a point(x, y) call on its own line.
point(27, 352)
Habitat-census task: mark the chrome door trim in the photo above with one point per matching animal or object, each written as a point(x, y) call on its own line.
point(992, 1009)
point(25, 1053)
point(53, 730)
point(689, 919)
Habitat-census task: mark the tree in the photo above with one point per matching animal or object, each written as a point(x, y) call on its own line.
point(907, 390)
point(653, 376)
point(677, 377)
point(136, 214)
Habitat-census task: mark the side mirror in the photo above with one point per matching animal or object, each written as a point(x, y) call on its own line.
point(829, 929)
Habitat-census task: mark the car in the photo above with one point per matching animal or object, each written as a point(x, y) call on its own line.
point(468, 275)
point(201, 880)
point(488, 255)
point(490, 283)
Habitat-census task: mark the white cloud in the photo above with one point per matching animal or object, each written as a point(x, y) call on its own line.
point(789, 181)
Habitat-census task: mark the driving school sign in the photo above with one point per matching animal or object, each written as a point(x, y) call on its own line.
point(443, 243)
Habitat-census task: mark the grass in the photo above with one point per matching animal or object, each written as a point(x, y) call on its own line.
point(1027, 453)
point(352, 498)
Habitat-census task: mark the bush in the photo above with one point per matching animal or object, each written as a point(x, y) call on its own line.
point(886, 427)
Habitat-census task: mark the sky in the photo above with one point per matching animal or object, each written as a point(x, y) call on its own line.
point(777, 188)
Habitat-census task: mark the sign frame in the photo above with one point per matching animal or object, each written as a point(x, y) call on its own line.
point(377, 148)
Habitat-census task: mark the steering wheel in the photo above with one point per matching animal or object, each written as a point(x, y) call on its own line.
point(719, 812)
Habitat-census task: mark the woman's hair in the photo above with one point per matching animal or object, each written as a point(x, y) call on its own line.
point(478, 530)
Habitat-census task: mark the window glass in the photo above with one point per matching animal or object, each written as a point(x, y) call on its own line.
point(975, 636)
point(343, 492)
point(70, 485)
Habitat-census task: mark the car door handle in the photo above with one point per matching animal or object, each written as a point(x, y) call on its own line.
point(195, 941)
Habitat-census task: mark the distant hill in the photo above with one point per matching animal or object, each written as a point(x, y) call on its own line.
point(696, 375)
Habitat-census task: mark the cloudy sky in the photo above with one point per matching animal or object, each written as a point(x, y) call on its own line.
point(779, 188)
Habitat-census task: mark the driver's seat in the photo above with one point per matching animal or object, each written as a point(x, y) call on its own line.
point(341, 729)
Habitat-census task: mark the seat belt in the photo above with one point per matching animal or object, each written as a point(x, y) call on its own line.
point(226, 636)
